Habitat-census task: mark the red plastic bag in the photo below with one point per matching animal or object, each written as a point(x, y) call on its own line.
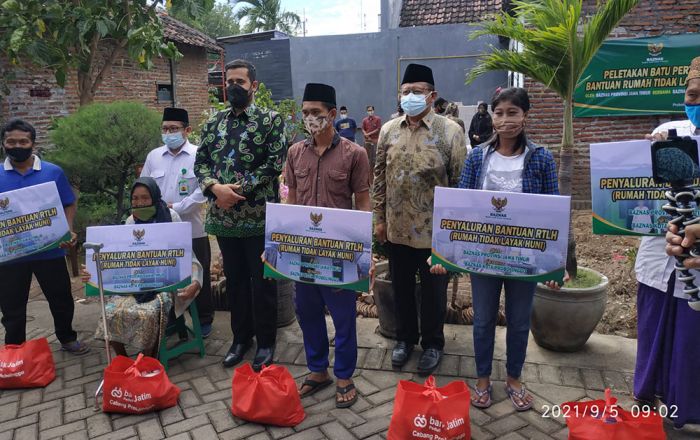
point(426, 411)
point(604, 420)
point(28, 365)
point(269, 397)
point(136, 387)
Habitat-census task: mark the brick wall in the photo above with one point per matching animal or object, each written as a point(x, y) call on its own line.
point(126, 81)
point(649, 18)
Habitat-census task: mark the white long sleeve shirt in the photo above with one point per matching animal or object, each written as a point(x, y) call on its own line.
point(178, 183)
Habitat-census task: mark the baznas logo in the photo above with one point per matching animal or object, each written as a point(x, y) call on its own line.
point(499, 204)
point(139, 233)
point(316, 218)
point(4, 203)
point(117, 392)
point(655, 48)
point(420, 421)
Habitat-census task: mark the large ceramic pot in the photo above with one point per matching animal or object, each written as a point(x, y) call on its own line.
point(285, 300)
point(384, 299)
point(563, 320)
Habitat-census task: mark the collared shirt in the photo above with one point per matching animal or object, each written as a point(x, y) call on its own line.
point(178, 184)
point(410, 163)
point(328, 180)
point(369, 124)
point(40, 172)
point(248, 149)
point(653, 267)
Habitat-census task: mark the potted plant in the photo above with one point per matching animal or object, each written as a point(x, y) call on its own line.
point(563, 320)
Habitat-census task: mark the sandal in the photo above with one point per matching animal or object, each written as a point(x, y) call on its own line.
point(512, 393)
point(75, 347)
point(481, 393)
point(315, 386)
point(343, 391)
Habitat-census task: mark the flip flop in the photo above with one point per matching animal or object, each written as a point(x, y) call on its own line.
point(481, 393)
point(343, 391)
point(315, 386)
point(512, 393)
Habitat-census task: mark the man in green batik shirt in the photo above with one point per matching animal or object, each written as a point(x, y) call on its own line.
point(238, 165)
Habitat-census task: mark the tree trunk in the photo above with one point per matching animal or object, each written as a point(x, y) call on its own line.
point(85, 88)
point(566, 169)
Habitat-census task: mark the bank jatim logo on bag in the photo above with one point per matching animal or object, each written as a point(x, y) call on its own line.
point(421, 421)
point(128, 400)
point(11, 369)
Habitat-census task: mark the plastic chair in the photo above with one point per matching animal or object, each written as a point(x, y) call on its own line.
point(186, 344)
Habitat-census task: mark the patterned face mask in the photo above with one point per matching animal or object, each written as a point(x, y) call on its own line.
point(315, 124)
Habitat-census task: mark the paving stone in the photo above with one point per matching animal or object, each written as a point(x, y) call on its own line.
point(260, 436)
point(187, 425)
point(29, 432)
point(309, 434)
point(19, 422)
point(73, 372)
point(95, 377)
point(500, 409)
point(544, 424)
point(562, 435)
point(592, 379)
point(218, 372)
point(62, 430)
point(374, 359)
point(512, 436)
point(478, 416)
point(171, 415)
point(8, 411)
point(571, 377)
point(203, 385)
point(364, 386)
point(383, 410)
point(289, 353)
point(616, 382)
point(50, 418)
point(449, 365)
point(371, 427)
point(122, 434)
point(71, 391)
point(277, 432)
point(204, 409)
point(222, 420)
point(188, 398)
point(550, 374)
point(183, 436)
point(54, 386)
point(530, 373)
point(31, 398)
point(508, 424)
point(240, 432)
point(133, 419)
point(324, 406)
point(556, 394)
point(467, 367)
point(98, 424)
point(478, 433)
point(347, 417)
point(336, 431)
point(80, 435)
point(314, 420)
point(150, 430)
point(205, 432)
point(382, 396)
point(73, 403)
point(38, 408)
point(533, 434)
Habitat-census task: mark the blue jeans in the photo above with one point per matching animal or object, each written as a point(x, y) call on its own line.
point(486, 293)
point(311, 302)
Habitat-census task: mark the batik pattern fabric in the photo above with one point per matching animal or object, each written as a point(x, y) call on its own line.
point(246, 149)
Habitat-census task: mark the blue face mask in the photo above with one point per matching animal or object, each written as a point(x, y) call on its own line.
point(413, 105)
point(173, 140)
point(693, 112)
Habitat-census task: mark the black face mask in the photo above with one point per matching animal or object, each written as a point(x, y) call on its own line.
point(18, 154)
point(237, 96)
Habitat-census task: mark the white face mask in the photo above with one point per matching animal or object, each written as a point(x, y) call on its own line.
point(315, 124)
point(343, 115)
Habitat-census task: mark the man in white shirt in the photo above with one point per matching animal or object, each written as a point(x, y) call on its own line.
point(172, 166)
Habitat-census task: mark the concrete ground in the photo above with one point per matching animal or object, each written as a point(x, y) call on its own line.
point(65, 408)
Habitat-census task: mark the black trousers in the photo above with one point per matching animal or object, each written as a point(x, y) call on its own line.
point(205, 303)
point(54, 281)
point(404, 263)
point(253, 299)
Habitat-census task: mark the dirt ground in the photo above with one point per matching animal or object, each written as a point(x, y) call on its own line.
point(614, 257)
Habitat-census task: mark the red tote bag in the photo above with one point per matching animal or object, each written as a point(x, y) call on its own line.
point(137, 386)
point(28, 365)
point(269, 397)
point(426, 411)
point(604, 420)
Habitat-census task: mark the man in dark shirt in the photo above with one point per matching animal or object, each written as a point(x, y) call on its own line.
point(238, 165)
point(345, 126)
point(481, 127)
point(326, 170)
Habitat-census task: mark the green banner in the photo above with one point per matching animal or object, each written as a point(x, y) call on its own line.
point(639, 76)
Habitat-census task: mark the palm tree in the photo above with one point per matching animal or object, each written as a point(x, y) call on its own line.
point(556, 43)
point(267, 15)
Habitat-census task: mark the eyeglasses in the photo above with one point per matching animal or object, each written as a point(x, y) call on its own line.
point(14, 143)
point(415, 91)
point(171, 129)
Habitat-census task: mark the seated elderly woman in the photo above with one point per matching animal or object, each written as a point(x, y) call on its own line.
point(139, 320)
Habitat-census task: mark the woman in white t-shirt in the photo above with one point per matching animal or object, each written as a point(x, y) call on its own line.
point(506, 162)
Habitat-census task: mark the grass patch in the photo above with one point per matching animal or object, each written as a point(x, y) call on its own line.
point(586, 278)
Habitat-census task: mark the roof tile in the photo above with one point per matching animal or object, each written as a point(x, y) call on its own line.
point(431, 12)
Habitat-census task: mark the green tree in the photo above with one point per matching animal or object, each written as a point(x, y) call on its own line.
point(100, 145)
point(85, 35)
point(556, 44)
point(218, 21)
point(266, 15)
